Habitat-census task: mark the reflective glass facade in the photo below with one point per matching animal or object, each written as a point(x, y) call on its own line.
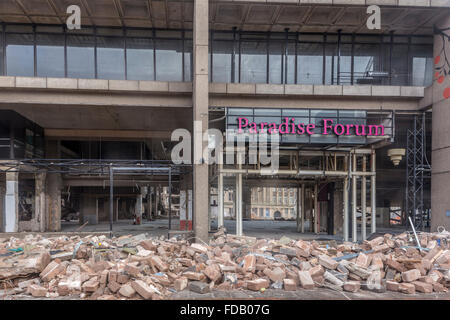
point(241, 57)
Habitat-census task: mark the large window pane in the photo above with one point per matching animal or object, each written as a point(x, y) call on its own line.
point(169, 64)
point(20, 55)
point(80, 56)
point(422, 65)
point(254, 61)
point(110, 58)
point(367, 63)
point(330, 63)
point(345, 64)
point(140, 64)
point(275, 65)
point(222, 58)
point(399, 65)
point(50, 55)
point(2, 69)
point(290, 78)
point(188, 60)
point(309, 63)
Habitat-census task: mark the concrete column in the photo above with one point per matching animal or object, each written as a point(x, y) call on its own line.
point(54, 186)
point(316, 208)
point(156, 200)
point(247, 202)
point(299, 214)
point(238, 198)
point(200, 117)
point(345, 196)
point(220, 213)
point(12, 202)
point(116, 209)
point(354, 201)
point(440, 176)
point(138, 207)
point(39, 200)
point(373, 192)
point(303, 211)
point(149, 203)
point(2, 207)
point(363, 200)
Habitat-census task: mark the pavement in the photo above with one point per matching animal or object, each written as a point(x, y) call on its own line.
point(274, 294)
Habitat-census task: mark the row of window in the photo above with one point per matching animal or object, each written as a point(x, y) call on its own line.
point(162, 55)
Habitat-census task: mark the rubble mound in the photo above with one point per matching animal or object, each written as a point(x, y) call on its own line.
point(142, 267)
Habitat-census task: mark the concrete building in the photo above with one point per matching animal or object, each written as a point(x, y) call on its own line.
point(87, 115)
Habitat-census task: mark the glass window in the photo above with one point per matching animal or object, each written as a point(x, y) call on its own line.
point(169, 63)
point(309, 63)
point(399, 65)
point(2, 70)
point(275, 65)
point(366, 61)
point(222, 59)
point(330, 64)
point(422, 65)
point(140, 64)
point(188, 60)
point(345, 64)
point(20, 55)
point(290, 78)
point(80, 56)
point(253, 61)
point(110, 58)
point(50, 55)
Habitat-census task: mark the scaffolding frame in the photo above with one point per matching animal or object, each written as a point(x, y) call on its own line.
point(417, 170)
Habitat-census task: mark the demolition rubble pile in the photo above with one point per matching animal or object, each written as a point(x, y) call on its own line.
point(138, 267)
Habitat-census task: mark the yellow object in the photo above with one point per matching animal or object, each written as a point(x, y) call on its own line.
point(263, 289)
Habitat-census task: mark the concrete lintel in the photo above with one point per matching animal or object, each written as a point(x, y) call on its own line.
point(328, 90)
point(386, 91)
point(7, 82)
point(31, 82)
point(416, 92)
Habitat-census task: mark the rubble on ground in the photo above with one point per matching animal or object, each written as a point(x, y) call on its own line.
point(140, 267)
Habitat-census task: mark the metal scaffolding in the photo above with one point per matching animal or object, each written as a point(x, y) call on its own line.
point(418, 170)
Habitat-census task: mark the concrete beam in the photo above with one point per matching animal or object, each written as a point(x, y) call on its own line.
point(114, 135)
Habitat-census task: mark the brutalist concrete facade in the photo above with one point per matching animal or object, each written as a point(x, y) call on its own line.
point(73, 108)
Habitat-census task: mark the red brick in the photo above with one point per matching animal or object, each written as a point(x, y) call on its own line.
point(144, 290)
point(289, 285)
point(305, 279)
point(411, 275)
point(37, 291)
point(181, 283)
point(213, 272)
point(392, 285)
point(395, 265)
point(258, 284)
point(352, 286)
point(423, 287)
point(249, 263)
point(327, 262)
point(316, 271)
point(407, 288)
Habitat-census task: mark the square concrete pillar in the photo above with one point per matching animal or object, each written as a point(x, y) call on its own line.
point(2, 206)
point(39, 200)
point(440, 177)
point(11, 216)
point(200, 117)
point(88, 209)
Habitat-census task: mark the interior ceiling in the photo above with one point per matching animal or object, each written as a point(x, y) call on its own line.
point(106, 118)
point(177, 14)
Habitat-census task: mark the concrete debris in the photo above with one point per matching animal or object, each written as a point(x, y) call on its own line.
point(141, 267)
